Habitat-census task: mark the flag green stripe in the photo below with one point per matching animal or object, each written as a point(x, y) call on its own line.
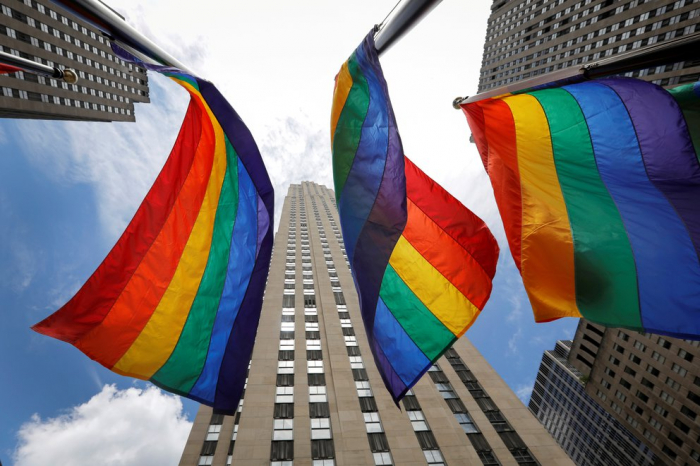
point(182, 369)
point(688, 98)
point(426, 330)
point(351, 119)
point(606, 278)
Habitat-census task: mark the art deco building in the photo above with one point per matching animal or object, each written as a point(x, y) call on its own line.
point(585, 430)
point(649, 383)
point(527, 38)
point(41, 31)
point(315, 397)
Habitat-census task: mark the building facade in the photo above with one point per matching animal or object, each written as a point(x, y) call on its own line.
point(649, 383)
point(585, 430)
point(314, 396)
point(528, 38)
point(41, 31)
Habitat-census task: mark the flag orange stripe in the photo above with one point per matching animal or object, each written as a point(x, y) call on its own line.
point(141, 296)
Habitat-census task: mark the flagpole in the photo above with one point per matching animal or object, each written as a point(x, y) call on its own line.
point(68, 75)
point(665, 53)
point(404, 17)
point(120, 31)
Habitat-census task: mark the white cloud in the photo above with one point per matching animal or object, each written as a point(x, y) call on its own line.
point(524, 391)
point(294, 151)
point(513, 341)
point(115, 427)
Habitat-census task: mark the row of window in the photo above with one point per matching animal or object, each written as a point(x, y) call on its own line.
point(74, 40)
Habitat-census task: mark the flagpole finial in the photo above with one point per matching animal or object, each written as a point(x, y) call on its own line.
point(69, 76)
point(456, 103)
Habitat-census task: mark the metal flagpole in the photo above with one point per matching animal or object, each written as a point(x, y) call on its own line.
point(68, 75)
point(120, 31)
point(405, 15)
point(665, 53)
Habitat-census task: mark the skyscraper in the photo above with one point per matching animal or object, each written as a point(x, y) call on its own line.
point(584, 429)
point(528, 38)
point(314, 396)
point(41, 31)
point(649, 383)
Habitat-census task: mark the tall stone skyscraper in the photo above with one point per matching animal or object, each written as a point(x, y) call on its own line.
point(314, 396)
point(649, 383)
point(528, 38)
point(41, 31)
point(585, 430)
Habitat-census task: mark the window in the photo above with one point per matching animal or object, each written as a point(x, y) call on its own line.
point(433, 457)
point(373, 423)
point(657, 357)
point(314, 367)
point(320, 429)
point(685, 355)
point(382, 459)
point(284, 395)
point(317, 394)
point(660, 410)
point(363, 389)
point(672, 383)
point(356, 362)
point(667, 398)
point(205, 460)
point(679, 370)
point(213, 433)
point(466, 422)
point(640, 346)
point(664, 343)
point(418, 421)
point(283, 429)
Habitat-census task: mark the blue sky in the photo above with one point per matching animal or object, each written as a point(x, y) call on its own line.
point(67, 189)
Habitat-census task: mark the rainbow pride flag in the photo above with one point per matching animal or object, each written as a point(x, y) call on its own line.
point(177, 301)
point(598, 185)
point(422, 262)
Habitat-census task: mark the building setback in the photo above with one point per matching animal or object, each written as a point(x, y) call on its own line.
point(649, 383)
point(315, 397)
point(41, 31)
point(586, 431)
point(528, 38)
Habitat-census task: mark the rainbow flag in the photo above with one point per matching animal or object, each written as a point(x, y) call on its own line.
point(422, 262)
point(178, 299)
point(598, 185)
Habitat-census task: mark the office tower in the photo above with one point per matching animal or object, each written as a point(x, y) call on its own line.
point(41, 31)
point(584, 429)
point(528, 38)
point(649, 383)
point(315, 397)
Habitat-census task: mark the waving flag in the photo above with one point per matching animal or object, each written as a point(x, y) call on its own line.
point(178, 299)
point(598, 185)
point(421, 261)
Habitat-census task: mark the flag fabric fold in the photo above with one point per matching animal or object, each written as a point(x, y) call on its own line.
point(6, 69)
point(422, 262)
point(177, 300)
point(598, 186)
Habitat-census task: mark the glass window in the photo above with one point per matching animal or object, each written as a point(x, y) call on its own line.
point(283, 429)
point(320, 429)
point(285, 367)
point(314, 367)
point(317, 394)
point(383, 459)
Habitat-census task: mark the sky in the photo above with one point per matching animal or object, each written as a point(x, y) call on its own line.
point(68, 189)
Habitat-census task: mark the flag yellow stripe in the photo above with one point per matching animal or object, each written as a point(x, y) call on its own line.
point(440, 296)
point(160, 335)
point(547, 257)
